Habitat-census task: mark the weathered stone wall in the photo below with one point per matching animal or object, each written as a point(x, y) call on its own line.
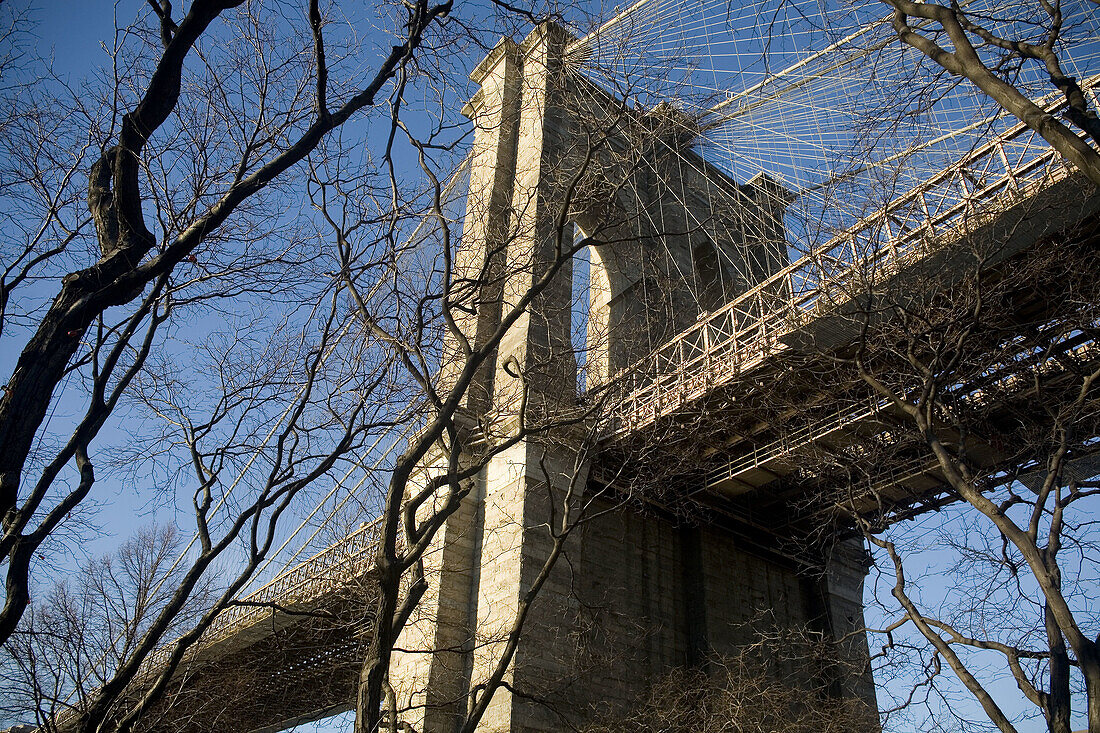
point(634, 595)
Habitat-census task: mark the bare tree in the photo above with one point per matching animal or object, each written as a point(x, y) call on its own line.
point(994, 47)
point(76, 637)
point(157, 198)
point(784, 680)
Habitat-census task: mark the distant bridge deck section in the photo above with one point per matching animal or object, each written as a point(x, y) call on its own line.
point(286, 654)
point(297, 587)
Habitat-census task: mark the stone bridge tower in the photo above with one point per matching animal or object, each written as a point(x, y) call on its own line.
point(558, 160)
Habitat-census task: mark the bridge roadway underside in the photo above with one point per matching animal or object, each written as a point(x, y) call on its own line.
point(754, 450)
point(285, 670)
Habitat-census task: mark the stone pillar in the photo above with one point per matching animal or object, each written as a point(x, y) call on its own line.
point(845, 571)
point(429, 669)
point(636, 593)
point(522, 481)
point(537, 344)
point(480, 260)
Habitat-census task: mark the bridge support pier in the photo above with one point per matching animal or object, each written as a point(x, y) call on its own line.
point(635, 594)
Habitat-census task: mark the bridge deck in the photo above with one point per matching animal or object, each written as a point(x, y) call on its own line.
point(727, 345)
point(286, 654)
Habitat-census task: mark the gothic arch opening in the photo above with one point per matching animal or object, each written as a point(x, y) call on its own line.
point(591, 329)
point(580, 307)
point(710, 290)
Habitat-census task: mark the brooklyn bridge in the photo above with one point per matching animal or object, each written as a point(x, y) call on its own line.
point(718, 300)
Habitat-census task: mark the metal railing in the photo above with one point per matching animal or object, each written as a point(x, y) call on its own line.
point(740, 336)
point(329, 570)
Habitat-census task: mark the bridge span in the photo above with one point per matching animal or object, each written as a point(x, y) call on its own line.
point(290, 652)
point(995, 204)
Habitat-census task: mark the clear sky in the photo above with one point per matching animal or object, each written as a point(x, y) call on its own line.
point(73, 30)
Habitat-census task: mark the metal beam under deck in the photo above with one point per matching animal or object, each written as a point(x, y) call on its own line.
point(300, 673)
point(287, 670)
point(288, 653)
point(765, 468)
